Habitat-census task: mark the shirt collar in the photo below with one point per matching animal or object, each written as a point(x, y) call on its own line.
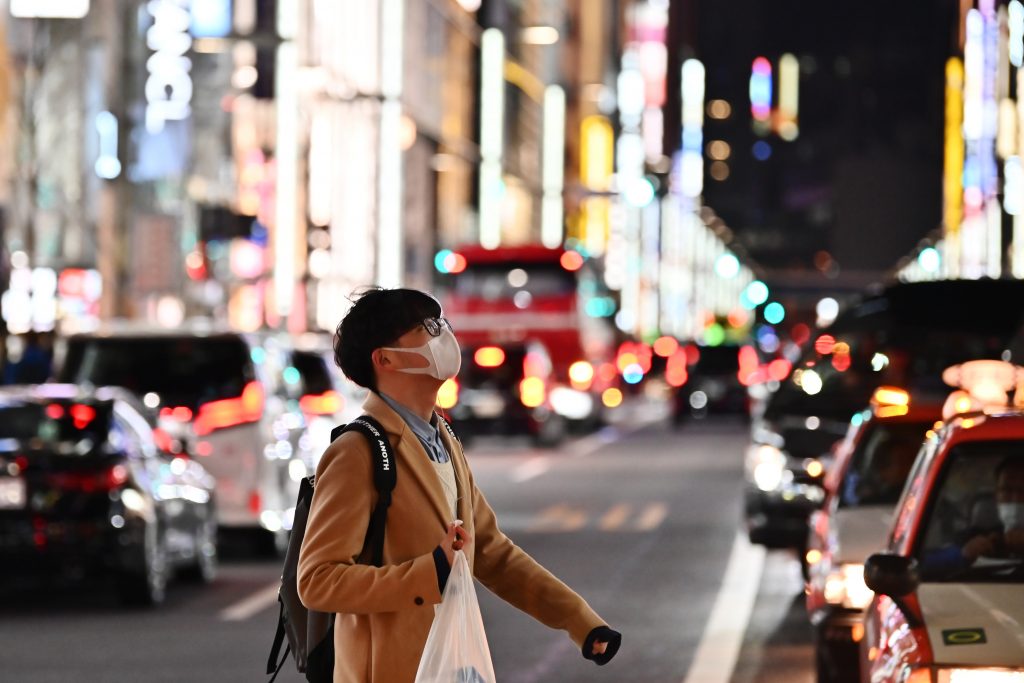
point(424, 431)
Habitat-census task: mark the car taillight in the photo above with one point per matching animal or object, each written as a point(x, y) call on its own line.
point(255, 502)
point(532, 392)
point(448, 394)
point(178, 414)
point(327, 403)
point(581, 375)
point(91, 482)
point(230, 412)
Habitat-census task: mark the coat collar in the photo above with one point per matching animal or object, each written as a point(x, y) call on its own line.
point(415, 461)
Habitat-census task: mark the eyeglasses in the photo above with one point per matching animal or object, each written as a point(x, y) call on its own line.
point(434, 326)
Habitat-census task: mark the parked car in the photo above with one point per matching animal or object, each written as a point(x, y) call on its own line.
point(713, 385)
point(328, 398)
point(904, 336)
point(862, 488)
point(85, 491)
point(948, 589)
point(224, 397)
point(507, 390)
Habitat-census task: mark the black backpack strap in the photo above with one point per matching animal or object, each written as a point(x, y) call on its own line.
point(273, 665)
point(384, 478)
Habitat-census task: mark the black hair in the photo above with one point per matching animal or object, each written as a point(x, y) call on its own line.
point(377, 318)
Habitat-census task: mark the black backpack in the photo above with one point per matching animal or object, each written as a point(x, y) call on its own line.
point(310, 633)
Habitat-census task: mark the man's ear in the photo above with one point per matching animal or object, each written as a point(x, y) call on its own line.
point(379, 359)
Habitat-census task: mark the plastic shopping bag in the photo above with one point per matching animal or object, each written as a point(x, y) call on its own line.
point(456, 650)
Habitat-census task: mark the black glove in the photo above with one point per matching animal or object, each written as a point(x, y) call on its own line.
point(606, 635)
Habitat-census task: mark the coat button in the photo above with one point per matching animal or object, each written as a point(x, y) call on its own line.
point(418, 600)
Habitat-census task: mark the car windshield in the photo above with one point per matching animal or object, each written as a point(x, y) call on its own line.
point(881, 462)
point(182, 371)
point(493, 282)
point(972, 529)
point(504, 375)
point(38, 425)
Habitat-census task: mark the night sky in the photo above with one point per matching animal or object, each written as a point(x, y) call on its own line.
point(863, 179)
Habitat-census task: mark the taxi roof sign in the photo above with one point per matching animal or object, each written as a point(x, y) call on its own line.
point(982, 384)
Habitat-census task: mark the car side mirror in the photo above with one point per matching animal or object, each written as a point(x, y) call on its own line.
point(892, 575)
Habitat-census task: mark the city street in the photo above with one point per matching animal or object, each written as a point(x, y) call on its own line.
point(639, 519)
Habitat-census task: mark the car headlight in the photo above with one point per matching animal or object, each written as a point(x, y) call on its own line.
point(766, 465)
point(980, 676)
point(845, 586)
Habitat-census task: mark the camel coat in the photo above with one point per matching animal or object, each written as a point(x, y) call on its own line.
point(384, 613)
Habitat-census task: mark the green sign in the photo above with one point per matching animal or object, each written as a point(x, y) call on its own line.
point(964, 636)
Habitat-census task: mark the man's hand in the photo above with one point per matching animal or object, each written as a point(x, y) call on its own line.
point(978, 546)
point(455, 539)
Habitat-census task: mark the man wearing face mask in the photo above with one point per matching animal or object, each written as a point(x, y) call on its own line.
point(1009, 541)
point(396, 343)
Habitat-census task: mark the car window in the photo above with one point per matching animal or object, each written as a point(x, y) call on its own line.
point(966, 535)
point(493, 282)
point(43, 425)
point(182, 371)
point(880, 464)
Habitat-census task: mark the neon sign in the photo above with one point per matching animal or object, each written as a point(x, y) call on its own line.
point(169, 85)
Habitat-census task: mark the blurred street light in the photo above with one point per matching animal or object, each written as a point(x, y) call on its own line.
point(539, 35)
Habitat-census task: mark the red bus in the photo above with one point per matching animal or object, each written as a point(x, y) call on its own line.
point(512, 295)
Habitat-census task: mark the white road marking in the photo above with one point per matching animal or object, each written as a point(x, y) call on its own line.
point(652, 517)
point(560, 517)
point(252, 605)
point(616, 517)
point(719, 647)
point(533, 467)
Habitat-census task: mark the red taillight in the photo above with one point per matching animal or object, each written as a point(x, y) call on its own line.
point(230, 412)
point(327, 403)
point(91, 482)
point(255, 503)
point(82, 415)
point(179, 414)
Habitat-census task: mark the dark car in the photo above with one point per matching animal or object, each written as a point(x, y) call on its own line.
point(713, 385)
point(506, 390)
point(904, 336)
point(86, 491)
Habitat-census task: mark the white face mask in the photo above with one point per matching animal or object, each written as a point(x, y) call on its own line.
point(443, 356)
point(1011, 515)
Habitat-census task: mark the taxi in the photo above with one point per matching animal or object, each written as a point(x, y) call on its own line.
point(863, 485)
point(949, 604)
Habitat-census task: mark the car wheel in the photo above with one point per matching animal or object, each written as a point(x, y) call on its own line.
point(551, 432)
point(204, 570)
point(148, 587)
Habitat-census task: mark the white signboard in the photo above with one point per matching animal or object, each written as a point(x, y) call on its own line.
point(49, 9)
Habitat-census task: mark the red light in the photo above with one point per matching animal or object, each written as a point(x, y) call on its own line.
point(82, 415)
point(841, 362)
point(825, 344)
point(204, 448)
point(455, 263)
point(665, 346)
point(162, 440)
point(255, 503)
point(571, 260)
point(91, 482)
point(231, 412)
point(327, 403)
point(779, 369)
point(800, 334)
point(692, 354)
point(54, 411)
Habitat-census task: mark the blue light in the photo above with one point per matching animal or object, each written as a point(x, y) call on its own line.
point(774, 313)
point(258, 356)
point(291, 375)
point(440, 258)
point(211, 18)
point(762, 150)
point(756, 292)
point(633, 374)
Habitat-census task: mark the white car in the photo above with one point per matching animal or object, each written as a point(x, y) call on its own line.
point(226, 398)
